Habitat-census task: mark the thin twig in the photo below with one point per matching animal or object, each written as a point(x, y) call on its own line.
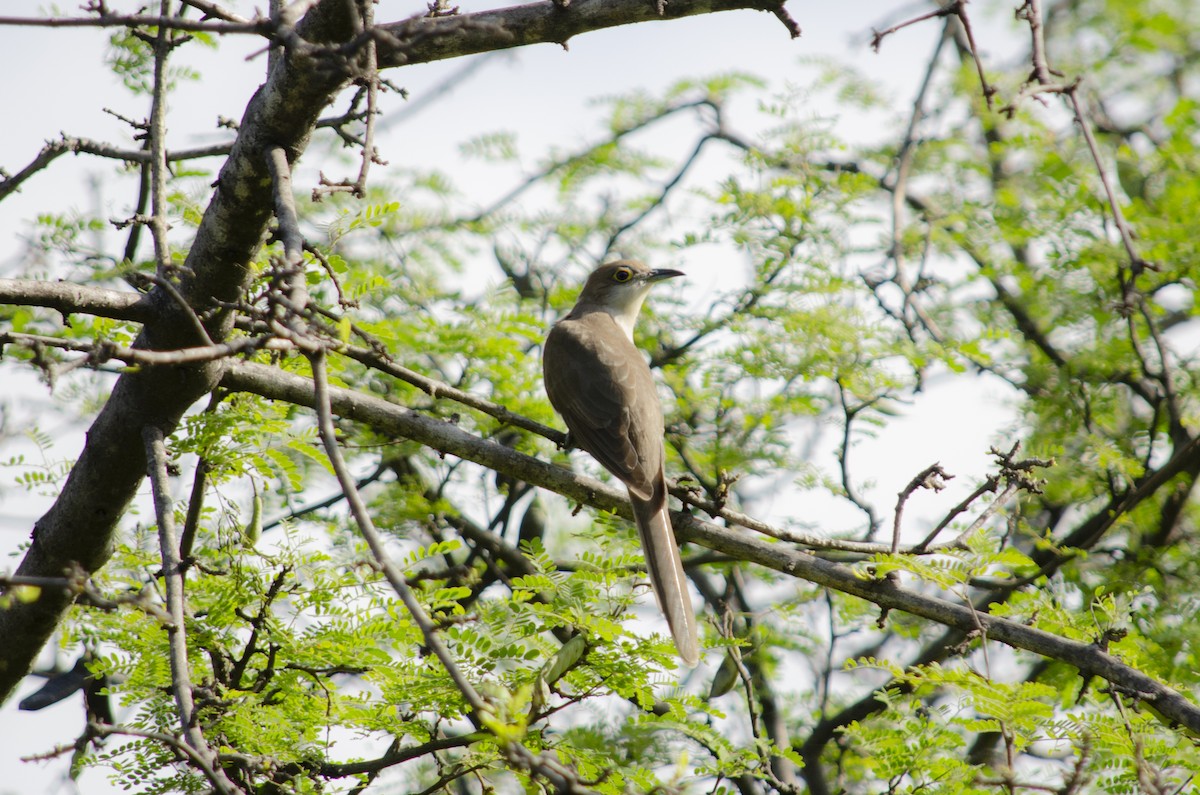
point(958, 9)
point(899, 191)
point(931, 477)
point(989, 485)
point(288, 312)
point(1042, 81)
point(364, 24)
point(843, 457)
point(157, 136)
point(195, 506)
point(165, 22)
point(1137, 264)
point(100, 351)
point(561, 777)
point(188, 312)
point(214, 11)
point(366, 525)
point(661, 198)
point(181, 686)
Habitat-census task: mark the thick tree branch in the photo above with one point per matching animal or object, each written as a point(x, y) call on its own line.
point(69, 298)
point(398, 756)
point(426, 39)
point(446, 438)
point(78, 528)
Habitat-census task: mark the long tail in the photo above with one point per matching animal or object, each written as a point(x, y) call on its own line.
point(666, 574)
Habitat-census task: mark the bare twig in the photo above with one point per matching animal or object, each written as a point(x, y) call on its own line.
point(793, 28)
point(957, 8)
point(1042, 81)
point(166, 22)
point(663, 193)
point(989, 485)
point(214, 11)
point(899, 199)
point(181, 686)
point(184, 307)
point(558, 165)
point(366, 525)
point(931, 477)
point(561, 777)
point(843, 456)
point(73, 145)
point(101, 351)
point(368, 77)
point(195, 507)
point(1136, 263)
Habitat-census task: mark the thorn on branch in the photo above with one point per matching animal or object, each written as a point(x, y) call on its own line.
point(442, 8)
point(141, 126)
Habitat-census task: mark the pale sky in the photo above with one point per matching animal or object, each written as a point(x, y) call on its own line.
point(56, 82)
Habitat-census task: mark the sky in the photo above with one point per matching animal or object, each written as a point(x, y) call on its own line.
point(56, 82)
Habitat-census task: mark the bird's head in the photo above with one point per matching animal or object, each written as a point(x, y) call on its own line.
point(619, 288)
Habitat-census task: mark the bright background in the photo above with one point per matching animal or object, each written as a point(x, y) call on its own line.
point(56, 82)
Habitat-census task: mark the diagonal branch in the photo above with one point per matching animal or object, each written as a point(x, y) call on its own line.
point(560, 776)
point(448, 439)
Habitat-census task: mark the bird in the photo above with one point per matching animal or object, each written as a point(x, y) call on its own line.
point(599, 382)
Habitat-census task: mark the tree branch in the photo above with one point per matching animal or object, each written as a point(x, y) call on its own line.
point(445, 438)
point(69, 298)
point(561, 777)
point(181, 683)
point(78, 528)
point(425, 39)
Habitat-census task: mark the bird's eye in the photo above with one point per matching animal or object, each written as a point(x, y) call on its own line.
point(622, 275)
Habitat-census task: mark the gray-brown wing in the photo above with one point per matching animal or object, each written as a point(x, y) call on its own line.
point(600, 384)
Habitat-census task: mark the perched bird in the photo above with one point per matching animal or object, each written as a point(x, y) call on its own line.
point(599, 382)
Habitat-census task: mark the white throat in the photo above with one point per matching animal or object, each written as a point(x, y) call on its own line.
point(626, 312)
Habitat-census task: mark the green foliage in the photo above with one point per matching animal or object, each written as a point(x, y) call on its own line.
point(837, 304)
